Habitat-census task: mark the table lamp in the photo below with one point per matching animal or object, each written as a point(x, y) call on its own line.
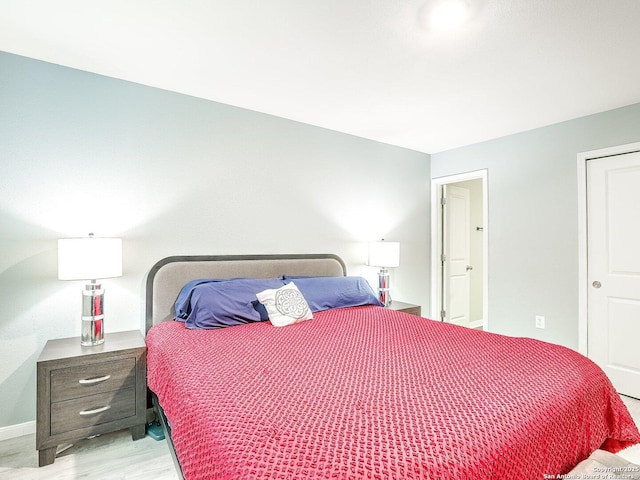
point(384, 255)
point(90, 258)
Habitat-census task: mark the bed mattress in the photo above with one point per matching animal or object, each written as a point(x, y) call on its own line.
point(372, 393)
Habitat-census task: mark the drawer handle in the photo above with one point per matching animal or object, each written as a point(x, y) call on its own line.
point(91, 381)
point(84, 413)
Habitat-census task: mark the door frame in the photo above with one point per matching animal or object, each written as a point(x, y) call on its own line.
point(436, 241)
point(583, 278)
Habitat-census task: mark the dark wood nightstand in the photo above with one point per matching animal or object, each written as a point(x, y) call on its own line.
point(405, 307)
point(86, 391)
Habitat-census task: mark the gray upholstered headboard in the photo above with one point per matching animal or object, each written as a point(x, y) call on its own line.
point(167, 277)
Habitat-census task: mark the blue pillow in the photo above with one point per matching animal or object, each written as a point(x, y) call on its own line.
point(224, 303)
point(183, 302)
point(323, 293)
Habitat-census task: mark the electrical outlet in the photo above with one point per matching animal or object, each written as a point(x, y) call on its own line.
point(539, 321)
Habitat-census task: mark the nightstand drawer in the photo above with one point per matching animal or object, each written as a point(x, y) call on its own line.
point(83, 380)
point(92, 410)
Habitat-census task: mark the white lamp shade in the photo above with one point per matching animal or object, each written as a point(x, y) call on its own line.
point(384, 254)
point(89, 258)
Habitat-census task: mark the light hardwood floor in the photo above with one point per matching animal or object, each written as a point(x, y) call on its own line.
point(116, 456)
point(632, 454)
point(107, 457)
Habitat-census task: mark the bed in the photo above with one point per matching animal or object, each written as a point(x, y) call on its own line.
point(365, 392)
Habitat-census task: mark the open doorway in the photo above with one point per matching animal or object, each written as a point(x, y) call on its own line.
point(459, 249)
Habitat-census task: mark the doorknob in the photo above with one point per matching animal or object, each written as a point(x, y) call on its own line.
point(596, 284)
point(469, 267)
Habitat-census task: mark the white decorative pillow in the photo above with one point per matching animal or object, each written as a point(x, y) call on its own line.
point(285, 305)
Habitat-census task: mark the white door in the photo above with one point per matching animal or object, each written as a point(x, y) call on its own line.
point(613, 250)
point(456, 250)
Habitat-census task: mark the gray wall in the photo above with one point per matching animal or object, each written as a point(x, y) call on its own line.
point(173, 174)
point(533, 218)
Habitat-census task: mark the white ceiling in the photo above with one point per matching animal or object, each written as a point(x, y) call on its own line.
point(372, 68)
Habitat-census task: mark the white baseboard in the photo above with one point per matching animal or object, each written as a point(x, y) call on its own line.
point(13, 431)
point(476, 324)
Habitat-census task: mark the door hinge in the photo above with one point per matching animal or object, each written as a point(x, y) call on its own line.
point(443, 258)
point(443, 200)
point(443, 315)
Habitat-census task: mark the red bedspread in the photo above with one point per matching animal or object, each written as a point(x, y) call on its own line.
point(371, 393)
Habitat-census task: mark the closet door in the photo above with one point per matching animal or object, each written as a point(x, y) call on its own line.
point(613, 248)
